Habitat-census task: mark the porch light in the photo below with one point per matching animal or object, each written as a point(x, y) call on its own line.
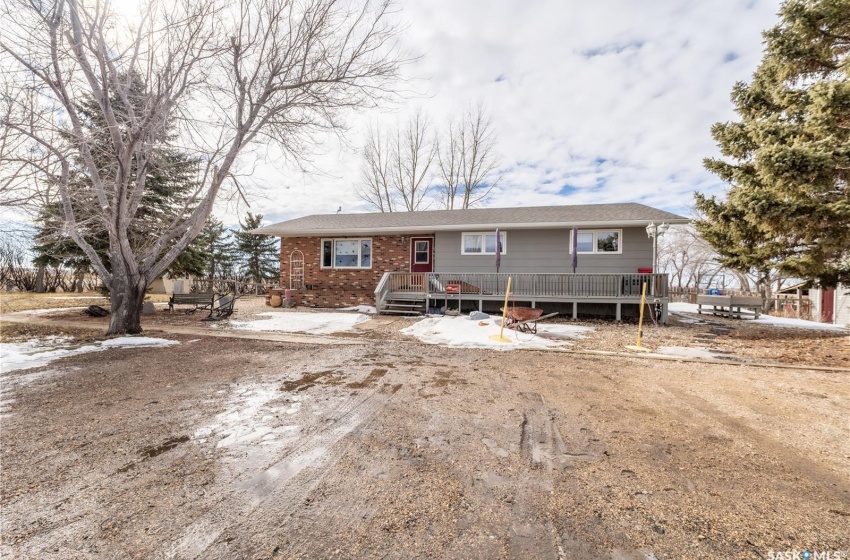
point(652, 229)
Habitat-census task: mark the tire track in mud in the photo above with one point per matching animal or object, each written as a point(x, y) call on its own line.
point(286, 481)
point(547, 451)
point(530, 534)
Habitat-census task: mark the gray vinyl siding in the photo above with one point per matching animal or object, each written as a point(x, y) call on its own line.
point(543, 251)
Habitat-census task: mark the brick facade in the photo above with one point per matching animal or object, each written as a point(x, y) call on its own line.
point(341, 287)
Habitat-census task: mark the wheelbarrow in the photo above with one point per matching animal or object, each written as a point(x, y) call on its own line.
point(524, 319)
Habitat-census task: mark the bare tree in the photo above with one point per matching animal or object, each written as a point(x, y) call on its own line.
point(414, 152)
point(687, 257)
point(467, 159)
point(396, 173)
point(216, 76)
point(376, 186)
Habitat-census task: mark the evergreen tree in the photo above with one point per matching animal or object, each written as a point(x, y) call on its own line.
point(170, 181)
point(220, 257)
point(788, 205)
point(259, 253)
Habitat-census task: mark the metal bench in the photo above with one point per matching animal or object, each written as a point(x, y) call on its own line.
point(222, 308)
point(196, 300)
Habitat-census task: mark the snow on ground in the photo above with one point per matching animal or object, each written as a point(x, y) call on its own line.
point(80, 297)
point(764, 319)
point(294, 322)
point(461, 332)
point(48, 310)
point(40, 352)
point(367, 309)
point(130, 341)
point(690, 352)
point(257, 422)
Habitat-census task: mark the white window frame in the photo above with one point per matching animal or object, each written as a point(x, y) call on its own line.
point(333, 241)
point(595, 244)
point(428, 241)
point(484, 251)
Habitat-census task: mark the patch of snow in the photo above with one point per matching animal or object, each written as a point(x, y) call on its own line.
point(680, 307)
point(35, 353)
point(460, 332)
point(253, 418)
point(130, 341)
point(46, 311)
point(80, 297)
point(799, 323)
point(367, 309)
point(688, 352)
point(683, 307)
point(311, 323)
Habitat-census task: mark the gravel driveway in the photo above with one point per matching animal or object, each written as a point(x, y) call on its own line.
point(231, 448)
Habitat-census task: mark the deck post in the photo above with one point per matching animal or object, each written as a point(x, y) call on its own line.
point(575, 310)
point(664, 314)
point(619, 312)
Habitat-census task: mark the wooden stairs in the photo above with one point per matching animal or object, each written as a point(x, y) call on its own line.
point(404, 305)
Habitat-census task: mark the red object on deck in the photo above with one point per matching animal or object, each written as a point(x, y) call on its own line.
point(645, 270)
point(452, 288)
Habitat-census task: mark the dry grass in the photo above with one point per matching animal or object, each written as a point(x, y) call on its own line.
point(14, 332)
point(26, 301)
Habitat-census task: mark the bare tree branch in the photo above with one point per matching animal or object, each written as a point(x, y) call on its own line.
point(396, 172)
point(208, 76)
point(467, 159)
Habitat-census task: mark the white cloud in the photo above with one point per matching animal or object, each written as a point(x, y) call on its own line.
point(605, 101)
point(610, 101)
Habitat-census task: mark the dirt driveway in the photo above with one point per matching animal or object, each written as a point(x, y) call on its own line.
point(229, 448)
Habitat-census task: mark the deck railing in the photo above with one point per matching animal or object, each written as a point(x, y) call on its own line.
point(526, 285)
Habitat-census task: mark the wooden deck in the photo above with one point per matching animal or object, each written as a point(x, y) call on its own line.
point(737, 307)
point(531, 287)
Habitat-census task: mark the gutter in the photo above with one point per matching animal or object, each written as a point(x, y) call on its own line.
point(319, 232)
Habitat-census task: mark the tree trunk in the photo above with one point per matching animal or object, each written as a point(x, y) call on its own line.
point(79, 278)
point(127, 296)
point(39, 281)
point(767, 293)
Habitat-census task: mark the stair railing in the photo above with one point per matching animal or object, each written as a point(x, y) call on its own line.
point(382, 290)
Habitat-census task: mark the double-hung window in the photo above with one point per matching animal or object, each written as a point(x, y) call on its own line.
point(599, 241)
point(346, 253)
point(482, 243)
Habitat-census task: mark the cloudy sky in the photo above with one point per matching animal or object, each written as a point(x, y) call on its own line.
point(592, 102)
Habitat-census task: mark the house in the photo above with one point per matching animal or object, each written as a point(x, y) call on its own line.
point(411, 261)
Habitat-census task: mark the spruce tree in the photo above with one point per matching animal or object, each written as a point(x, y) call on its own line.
point(787, 160)
point(170, 181)
point(220, 256)
point(259, 253)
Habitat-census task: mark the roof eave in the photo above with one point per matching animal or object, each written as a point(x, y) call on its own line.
point(285, 232)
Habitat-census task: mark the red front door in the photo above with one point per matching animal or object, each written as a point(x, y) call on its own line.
point(421, 254)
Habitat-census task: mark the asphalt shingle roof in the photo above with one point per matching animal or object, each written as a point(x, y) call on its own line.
point(529, 217)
